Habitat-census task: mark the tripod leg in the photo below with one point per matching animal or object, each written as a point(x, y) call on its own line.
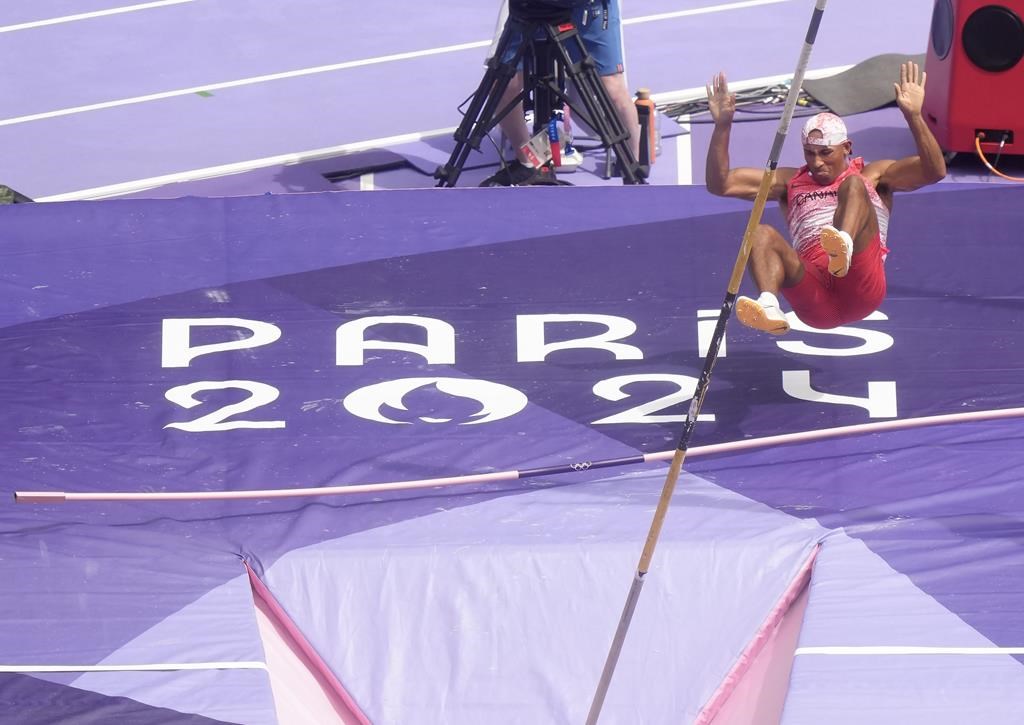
point(475, 124)
point(480, 116)
point(542, 78)
point(603, 117)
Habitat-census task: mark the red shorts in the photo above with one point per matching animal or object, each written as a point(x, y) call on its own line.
point(824, 301)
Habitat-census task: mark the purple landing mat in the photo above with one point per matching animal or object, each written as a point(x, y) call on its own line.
point(73, 65)
point(28, 701)
point(81, 596)
point(858, 601)
point(95, 389)
point(503, 612)
point(901, 690)
point(941, 512)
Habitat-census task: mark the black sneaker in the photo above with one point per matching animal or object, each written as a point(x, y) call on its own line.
point(515, 174)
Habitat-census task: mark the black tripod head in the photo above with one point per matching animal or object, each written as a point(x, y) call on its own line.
point(550, 11)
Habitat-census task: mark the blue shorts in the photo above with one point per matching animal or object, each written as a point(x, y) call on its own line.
point(603, 44)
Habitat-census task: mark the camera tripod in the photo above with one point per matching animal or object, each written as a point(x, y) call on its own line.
point(546, 34)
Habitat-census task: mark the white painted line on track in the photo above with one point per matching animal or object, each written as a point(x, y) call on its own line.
point(236, 83)
point(130, 187)
point(684, 146)
point(88, 16)
point(325, 68)
point(684, 153)
point(700, 11)
point(700, 92)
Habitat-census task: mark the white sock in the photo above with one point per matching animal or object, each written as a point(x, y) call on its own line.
point(849, 240)
point(767, 299)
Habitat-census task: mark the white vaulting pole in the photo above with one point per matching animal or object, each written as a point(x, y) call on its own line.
point(705, 377)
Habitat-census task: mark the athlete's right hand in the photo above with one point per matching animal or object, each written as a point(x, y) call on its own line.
point(721, 103)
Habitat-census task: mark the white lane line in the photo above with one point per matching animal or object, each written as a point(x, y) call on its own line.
point(684, 153)
point(701, 11)
point(700, 92)
point(334, 66)
point(155, 667)
point(130, 187)
point(902, 650)
point(89, 16)
point(241, 82)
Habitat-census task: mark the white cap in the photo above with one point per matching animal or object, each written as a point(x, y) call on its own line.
point(831, 128)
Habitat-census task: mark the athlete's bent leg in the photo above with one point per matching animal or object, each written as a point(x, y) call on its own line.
point(773, 261)
point(854, 226)
point(774, 264)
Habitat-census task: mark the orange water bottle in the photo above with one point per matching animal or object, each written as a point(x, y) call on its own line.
point(645, 113)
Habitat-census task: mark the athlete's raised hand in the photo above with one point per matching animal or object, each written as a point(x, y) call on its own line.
point(721, 103)
point(910, 89)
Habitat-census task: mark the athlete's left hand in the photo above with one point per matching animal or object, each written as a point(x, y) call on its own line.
point(910, 89)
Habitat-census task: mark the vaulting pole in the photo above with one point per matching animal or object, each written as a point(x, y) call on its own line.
point(351, 489)
point(705, 376)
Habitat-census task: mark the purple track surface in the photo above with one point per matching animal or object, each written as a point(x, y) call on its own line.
point(130, 102)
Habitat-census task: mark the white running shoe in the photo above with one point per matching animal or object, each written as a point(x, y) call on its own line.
point(571, 161)
point(839, 247)
point(765, 318)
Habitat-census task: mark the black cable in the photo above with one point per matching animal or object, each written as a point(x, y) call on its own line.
point(1002, 143)
point(765, 95)
point(501, 156)
point(460, 108)
point(763, 117)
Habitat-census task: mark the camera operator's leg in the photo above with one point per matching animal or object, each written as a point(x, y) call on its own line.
point(513, 123)
point(622, 100)
point(615, 117)
point(485, 110)
point(479, 118)
point(606, 48)
point(604, 118)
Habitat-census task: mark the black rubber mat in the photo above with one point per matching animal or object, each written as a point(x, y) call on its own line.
point(864, 87)
point(10, 196)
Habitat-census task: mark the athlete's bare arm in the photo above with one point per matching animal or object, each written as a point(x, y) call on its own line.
point(928, 166)
point(720, 179)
